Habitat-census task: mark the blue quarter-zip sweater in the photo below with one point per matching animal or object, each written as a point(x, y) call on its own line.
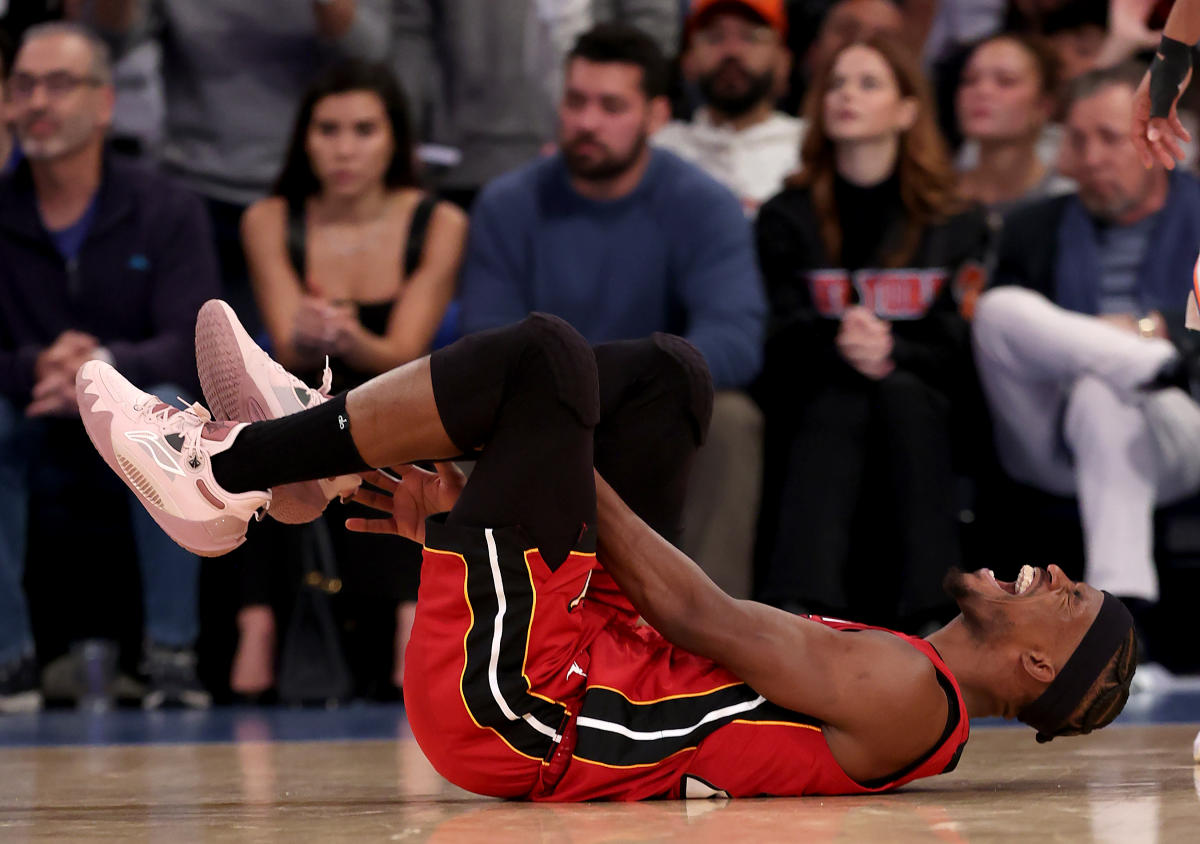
point(674, 255)
point(142, 272)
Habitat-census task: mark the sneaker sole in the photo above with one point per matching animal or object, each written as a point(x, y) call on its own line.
point(224, 533)
point(233, 392)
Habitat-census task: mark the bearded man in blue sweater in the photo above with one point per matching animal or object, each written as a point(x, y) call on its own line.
point(622, 240)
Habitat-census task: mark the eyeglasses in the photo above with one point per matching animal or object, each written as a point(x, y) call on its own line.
point(58, 84)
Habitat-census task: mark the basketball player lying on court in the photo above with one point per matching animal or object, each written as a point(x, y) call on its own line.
point(527, 675)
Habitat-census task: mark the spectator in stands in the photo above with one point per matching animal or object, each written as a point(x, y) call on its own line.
point(349, 259)
point(619, 239)
point(851, 20)
point(485, 77)
point(735, 54)
point(867, 355)
point(821, 27)
point(1088, 35)
point(1007, 99)
point(232, 73)
point(1079, 342)
point(97, 260)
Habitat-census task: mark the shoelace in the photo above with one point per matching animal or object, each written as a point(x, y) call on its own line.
point(326, 377)
point(188, 421)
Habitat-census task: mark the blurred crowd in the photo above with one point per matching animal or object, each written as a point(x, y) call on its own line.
point(941, 297)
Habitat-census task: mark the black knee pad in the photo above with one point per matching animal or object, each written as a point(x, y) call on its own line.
point(570, 360)
point(693, 379)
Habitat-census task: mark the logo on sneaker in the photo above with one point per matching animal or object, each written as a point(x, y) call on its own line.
point(341, 422)
point(154, 447)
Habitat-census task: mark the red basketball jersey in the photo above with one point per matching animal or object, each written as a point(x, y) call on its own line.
point(526, 682)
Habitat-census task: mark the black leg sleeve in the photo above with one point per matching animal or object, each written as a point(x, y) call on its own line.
point(656, 400)
point(525, 396)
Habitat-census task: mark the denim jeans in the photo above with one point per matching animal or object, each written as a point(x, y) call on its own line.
point(169, 573)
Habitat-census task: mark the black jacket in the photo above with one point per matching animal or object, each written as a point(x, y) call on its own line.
point(143, 271)
point(931, 338)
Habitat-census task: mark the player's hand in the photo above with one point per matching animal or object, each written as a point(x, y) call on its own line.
point(418, 495)
point(1158, 139)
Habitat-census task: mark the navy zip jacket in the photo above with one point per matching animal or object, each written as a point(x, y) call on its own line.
point(144, 269)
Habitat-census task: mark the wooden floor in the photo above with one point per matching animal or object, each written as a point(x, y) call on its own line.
point(1126, 784)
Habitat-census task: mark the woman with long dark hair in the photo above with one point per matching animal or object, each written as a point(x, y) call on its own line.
point(867, 352)
point(349, 259)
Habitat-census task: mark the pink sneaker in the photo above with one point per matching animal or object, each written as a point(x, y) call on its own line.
point(164, 455)
point(242, 383)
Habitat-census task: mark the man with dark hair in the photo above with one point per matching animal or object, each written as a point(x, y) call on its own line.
point(1081, 346)
point(615, 237)
point(621, 240)
point(735, 54)
point(98, 259)
point(496, 105)
point(529, 675)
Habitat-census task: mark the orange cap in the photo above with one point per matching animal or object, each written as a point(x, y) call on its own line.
point(771, 11)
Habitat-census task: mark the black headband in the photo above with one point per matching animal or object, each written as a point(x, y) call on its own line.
point(1055, 705)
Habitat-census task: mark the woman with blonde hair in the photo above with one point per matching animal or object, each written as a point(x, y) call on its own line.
point(867, 354)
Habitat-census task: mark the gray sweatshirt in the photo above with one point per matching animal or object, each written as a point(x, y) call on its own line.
point(481, 74)
point(233, 74)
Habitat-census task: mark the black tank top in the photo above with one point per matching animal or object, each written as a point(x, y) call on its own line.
point(373, 316)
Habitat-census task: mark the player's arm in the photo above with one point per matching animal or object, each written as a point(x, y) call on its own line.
point(1157, 131)
point(1183, 24)
point(873, 691)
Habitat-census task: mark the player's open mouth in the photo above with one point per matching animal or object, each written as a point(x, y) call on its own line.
point(1026, 578)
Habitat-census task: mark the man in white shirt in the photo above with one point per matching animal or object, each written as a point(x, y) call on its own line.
point(735, 54)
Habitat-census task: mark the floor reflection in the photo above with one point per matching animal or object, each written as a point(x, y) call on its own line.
point(1135, 784)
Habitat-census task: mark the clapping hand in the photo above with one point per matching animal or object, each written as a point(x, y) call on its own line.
point(417, 495)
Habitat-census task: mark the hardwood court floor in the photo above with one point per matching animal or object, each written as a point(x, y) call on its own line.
point(1126, 784)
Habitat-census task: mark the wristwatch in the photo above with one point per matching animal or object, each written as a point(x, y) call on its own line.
point(1147, 327)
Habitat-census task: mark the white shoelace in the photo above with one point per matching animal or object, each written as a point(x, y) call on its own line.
point(326, 377)
point(188, 421)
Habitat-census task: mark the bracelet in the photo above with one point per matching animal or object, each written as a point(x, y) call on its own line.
point(1170, 67)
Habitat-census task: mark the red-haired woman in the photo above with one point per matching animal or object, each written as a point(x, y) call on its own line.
point(867, 355)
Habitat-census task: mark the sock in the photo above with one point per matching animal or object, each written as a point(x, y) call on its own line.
point(304, 446)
